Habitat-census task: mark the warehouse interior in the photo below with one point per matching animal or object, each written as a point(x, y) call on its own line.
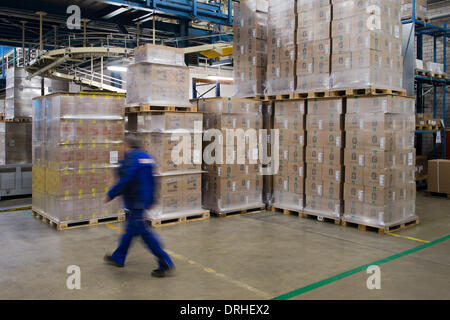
point(347, 182)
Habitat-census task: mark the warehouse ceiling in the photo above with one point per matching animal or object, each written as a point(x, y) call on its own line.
point(105, 17)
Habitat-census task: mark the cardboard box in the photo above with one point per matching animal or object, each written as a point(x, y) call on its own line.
point(314, 154)
point(353, 193)
point(332, 190)
point(354, 175)
point(314, 171)
point(333, 156)
point(383, 177)
point(379, 196)
point(439, 176)
point(379, 159)
point(325, 106)
point(333, 173)
point(313, 188)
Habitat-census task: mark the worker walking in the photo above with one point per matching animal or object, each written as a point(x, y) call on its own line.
point(137, 186)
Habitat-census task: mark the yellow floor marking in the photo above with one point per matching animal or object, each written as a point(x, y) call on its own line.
point(16, 209)
point(410, 238)
point(208, 270)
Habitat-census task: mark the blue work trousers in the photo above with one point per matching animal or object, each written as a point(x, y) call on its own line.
point(136, 227)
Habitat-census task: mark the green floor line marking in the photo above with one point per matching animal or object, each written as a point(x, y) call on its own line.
point(348, 273)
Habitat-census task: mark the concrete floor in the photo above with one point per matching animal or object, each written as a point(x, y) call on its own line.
point(258, 256)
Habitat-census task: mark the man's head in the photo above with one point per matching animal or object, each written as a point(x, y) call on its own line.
point(132, 142)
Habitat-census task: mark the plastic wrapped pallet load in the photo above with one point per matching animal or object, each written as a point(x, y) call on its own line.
point(15, 143)
point(20, 92)
point(250, 47)
point(77, 143)
point(366, 45)
point(379, 188)
point(233, 180)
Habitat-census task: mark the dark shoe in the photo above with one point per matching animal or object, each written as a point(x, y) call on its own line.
point(159, 273)
point(109, 260)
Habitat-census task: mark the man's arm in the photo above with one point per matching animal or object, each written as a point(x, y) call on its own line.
point(129, 175)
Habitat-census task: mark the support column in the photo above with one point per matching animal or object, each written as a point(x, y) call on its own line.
point(85, 21)
point(41, 14)
point(23, 42)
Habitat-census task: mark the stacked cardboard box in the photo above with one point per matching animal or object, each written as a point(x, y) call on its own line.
point(161, 78)
point(313, 45)
point(366, 44)
point(407, 9)
point(379, 160)
point(250, 47)
point(324, 157)
point(439, 176)
point(281, 47)
point(77, 143)
point(233, 180)
point(20, 92)
point(178, 178)
point(15, 143)
point(288, 183)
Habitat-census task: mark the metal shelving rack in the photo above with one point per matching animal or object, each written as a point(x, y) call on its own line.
point(414, 30)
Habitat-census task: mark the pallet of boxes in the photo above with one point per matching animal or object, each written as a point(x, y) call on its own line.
point(233, 182)
point(170, 129)
point(250, 47)
point(77, 144)
point(380, 159)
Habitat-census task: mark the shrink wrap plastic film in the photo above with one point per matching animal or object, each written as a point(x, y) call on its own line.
point(380, 161)
point(15, 143)
point(318, 46)
point(288, 184)
point(161, 78)
point(77, 144)
point(421, 9)
point(250, 47)
point(366, 41)
point(20, 92)
point(178, 184)
point(228, 185)
point(324, 157)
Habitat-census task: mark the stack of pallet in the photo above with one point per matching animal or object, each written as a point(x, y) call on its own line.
point(77, 144)
point(324, 155)
point(367, 42)
point(421, 9)
point(233, 182)
point(313, 45)
point(288, 183)
point(250, 47)
point(281, 48)
point(170, 129)
point(380, 161)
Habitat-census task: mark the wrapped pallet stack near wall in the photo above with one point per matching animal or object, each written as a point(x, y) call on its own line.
point(367, 45)
point(250, 47)
point(233, 182)
point(77, 145)
point(380, 161)
point(170, 129)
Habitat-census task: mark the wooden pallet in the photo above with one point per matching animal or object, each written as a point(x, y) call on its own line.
point(171, 220)
point(427, 127)
point(420, 73)
point(381, 230)
point(374, 92)
point(424, 20)
point(148, 108)
point(62, 225)
point(437, 194)
point(307, 215)
point(279, 97)
point(238, 212)
point(24, 120)
point(435, 75)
